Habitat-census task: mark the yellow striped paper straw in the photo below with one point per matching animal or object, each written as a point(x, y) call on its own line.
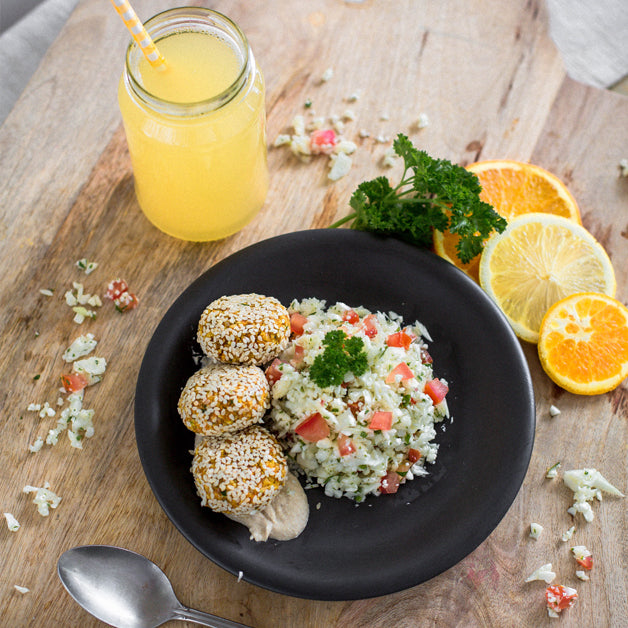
point(137, 30)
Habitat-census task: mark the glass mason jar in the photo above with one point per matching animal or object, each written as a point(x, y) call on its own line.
point(196, 131)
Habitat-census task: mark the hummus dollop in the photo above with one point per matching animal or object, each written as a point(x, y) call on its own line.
point(283, 519)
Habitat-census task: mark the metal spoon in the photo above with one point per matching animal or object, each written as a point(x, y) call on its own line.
point(125, 589)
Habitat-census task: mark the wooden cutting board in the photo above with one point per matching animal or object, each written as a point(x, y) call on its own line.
point(492, 85)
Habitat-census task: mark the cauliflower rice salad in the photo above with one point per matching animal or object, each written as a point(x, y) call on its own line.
point(373, 426)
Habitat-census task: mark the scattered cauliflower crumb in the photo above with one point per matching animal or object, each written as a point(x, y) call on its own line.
point(327, 75)
point(348, 114)
point(317, 122)
point(12, 523)
point(340, 165)
point(281, 140)
point(82, 346)
point(337, 124)
point(582, 575)
point(355, 96)
point(568, 533)
point(535, 530)
point(46, 292)
point(422, 121)
point(21, 589)
point(587, 484)
point(390, 157)
point(88, 267)
point(78, 296)
point(37, 445)
point(345, 146)
point(552, 472)
point(44, 410)
point(81, 313)
point(76, 419)
point(44, 498)
point(544, 572)
point(623, 167)
point(93, 368)
point(554, 411)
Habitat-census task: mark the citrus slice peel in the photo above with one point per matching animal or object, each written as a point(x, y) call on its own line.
point(583, 343)
point(538, 260)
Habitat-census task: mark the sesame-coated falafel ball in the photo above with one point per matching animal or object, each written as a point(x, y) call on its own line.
point(239, 474)
point(222, 398)
point(244, 329)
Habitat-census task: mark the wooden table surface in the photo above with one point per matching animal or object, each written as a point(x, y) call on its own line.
point(493, 86)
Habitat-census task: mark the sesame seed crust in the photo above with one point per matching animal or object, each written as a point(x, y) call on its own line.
point(247, 329)
point(221, 398)
point(240, 473)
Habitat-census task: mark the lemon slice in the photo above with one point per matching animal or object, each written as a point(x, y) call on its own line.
point(538, 260)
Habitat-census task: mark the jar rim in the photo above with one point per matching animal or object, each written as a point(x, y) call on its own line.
point(189, 19)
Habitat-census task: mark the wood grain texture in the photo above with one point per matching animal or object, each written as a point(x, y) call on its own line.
point(492, 85)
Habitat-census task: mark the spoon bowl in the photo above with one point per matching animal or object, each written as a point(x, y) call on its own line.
point(125, 589)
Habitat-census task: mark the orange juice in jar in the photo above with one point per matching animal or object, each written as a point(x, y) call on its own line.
point(196, 129)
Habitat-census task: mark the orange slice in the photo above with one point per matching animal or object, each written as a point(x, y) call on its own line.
point(583, 343)
point(513, 188)
point(538, 260)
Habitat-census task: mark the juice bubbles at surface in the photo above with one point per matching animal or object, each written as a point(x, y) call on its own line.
point(196, 131)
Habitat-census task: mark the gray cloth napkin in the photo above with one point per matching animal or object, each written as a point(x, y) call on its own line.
point(23, 45)
point(592, 38)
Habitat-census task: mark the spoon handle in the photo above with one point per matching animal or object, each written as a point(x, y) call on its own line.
point(205, 619)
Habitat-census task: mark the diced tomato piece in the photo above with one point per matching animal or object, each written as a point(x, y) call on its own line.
point(426, 358)
point(126, 301)
point(400, 373)
point(400, 339)
point(73, 382)
point(297, 321)
point(389, 483)
point(345, 445)
point(116, 288)
point(381, 421)
point(272, 372)
point(436, 389)
point(414, 455)
point(323, 141)
point(586, 561)
point(559, 597)
point(351, 316)
point(313, 428)
point(370, 329)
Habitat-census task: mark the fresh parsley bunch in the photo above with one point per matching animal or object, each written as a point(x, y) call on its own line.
point(342, 355)
point(432, 194)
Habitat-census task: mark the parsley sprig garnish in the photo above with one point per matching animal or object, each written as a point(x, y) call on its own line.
point(432, 194)
point(341, 356)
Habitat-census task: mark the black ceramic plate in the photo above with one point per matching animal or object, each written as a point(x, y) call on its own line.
point(387, 543)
